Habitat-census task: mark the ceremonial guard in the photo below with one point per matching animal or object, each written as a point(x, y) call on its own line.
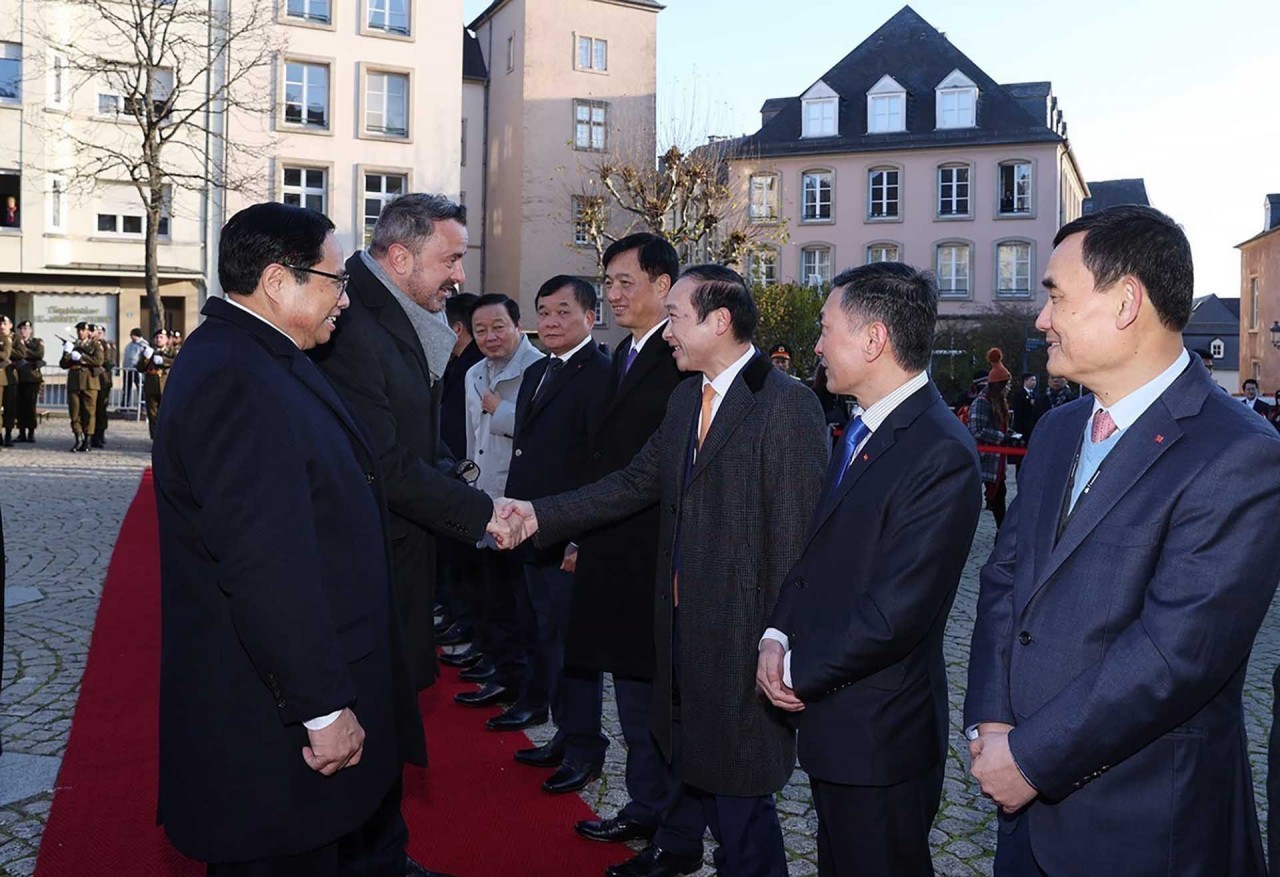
point(155, 362)
point(111, 359)
point(27, 359)
point(82, 359)
point(8, 382)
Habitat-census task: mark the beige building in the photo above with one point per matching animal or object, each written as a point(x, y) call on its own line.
point(569, 81)
point(907, 151)
point(1260, 301)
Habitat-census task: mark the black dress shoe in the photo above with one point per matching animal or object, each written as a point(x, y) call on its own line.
point(413, 869)
point(480, 671)
point(487, 695)
point(454, 635)
point(466, 658)
point(546, 755)
point(517, 718)
point(653, 861)
point(570, 777)
point(614, 830)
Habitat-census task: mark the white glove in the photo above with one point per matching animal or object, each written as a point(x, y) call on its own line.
point(158, 359)
point(75, 356)
point(147, 351)
point(68, 346)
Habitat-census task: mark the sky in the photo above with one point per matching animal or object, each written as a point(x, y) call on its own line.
point(1182, 95)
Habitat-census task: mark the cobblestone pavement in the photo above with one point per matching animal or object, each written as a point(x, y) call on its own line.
point(62, 514)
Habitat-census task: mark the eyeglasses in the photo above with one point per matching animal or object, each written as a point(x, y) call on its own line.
point(342, 279)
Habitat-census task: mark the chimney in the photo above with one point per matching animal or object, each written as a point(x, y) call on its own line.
point(1272, 217)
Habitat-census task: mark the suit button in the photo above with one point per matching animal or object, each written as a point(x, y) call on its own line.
point(482, 450)
point(368, 477)
point(519, 452)
point(800, 583)
point(281, 703)
point(597, 455)
point(672, 508)
point(663, 596)
point(1024, 638)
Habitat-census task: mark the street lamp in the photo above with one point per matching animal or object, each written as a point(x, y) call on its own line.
point(1275, 334)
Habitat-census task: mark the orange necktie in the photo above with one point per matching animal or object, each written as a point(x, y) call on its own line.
point(708, 395)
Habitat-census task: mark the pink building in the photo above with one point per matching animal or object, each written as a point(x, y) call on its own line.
point(906, 150)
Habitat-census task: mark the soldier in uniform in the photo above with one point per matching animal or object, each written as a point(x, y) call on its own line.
point(111, 359)
point(28, 359)
point(155, 362)
point(82, 359)
point(8, 384)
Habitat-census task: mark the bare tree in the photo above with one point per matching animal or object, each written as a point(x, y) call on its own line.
point(168, 73)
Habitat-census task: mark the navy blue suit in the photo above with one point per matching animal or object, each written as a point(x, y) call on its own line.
point(1118, 649)
point(277, 601)
point(864, 609)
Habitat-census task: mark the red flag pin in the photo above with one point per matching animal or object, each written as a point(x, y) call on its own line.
point(1159, 439)
point(866, 457)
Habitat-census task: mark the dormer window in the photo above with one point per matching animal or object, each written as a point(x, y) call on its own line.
point(821, 112)
point(886, 107)
point(957, 102)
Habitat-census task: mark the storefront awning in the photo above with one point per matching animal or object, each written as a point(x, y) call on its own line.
point(57, 286)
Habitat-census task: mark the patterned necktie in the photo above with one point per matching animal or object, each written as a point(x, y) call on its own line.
point(1103, 426)
point(708, 395)
point(854, 432)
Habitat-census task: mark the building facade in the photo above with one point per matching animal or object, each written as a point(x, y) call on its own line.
point(907, 151)
point(1215, 326)
point(1260, 300)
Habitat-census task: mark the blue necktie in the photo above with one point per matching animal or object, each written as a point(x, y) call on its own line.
point(854, 432)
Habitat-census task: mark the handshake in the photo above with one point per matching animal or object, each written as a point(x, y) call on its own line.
point(513, 522)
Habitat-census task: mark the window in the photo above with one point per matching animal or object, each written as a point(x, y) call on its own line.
point(820, 117)
point(386, 107)
point(883, 193)
point(885, 113)
point(306, 94)
point(817, 189)
point(379, 191)
point(109, 104)
point(391, 16)
point(593, 54)
point(1253, 305)
point(511, 53)
point(161, 91)
point(953, 190)
point(581, 223)
point(10, 199)
point(762, 267)
point(1013, 270)
point(591, 123)
point(952, 269)
point(956, 101)
point(1217, 348)
point(1015, 187)
point(57, 204)
point(764, 198)
point(121, 212)
point(11, 72)
point(463, 153)
point(306, 187)
point(58, 82)
point(883, 253)
point(314, 11)
point(815, 266)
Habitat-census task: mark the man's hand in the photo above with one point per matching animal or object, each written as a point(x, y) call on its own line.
point(769, 677)
point(570, 562)
point(490, 401)
point(998, 774)
point(513, 522)
point(335, 747)
point(975, 746)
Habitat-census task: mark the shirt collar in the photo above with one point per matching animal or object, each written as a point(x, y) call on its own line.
point(574, 352)
point(235, 304)
point(1125, 412)
point(637, 347)
point(724, 380)
point(878, 413)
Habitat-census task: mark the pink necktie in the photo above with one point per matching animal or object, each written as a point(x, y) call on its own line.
point(1103, 426)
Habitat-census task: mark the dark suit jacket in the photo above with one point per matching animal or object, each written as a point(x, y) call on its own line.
point(1259, 406)
point(550, 450)
point(1025, 409)
point(276, 599)
point(866, 604)
point(1119, 651)
point(376, 362)
point(738, 520)
point(611, 617)
point(453, 401)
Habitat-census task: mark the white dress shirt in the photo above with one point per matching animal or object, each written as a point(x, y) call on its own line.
point(637, 346)
point(721, 385)
point(874, 417)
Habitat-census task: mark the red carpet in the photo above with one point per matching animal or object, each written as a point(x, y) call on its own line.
point(474, 813)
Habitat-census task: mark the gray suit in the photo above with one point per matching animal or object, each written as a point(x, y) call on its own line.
point(737, 518)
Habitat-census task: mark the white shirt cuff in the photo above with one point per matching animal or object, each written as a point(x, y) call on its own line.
point(786, 670)
point(322, 722)
point(781, 638)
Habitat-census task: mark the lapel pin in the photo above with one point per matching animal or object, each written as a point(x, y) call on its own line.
point(1159, 439)
point(866, 457)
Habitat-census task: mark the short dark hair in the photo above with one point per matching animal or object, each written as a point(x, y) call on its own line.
point(269, 234)
point(584, 292)
point(458, 308)
point(903, 298)
point(411, 219)
point(1248, 381)
point(721, 287)
point(135, 333)
point(1026, 375)
point(494, 298)
point(656, 255)
point(1204, 354)
point(1142, 241)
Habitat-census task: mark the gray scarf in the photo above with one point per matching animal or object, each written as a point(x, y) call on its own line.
point(433, 331)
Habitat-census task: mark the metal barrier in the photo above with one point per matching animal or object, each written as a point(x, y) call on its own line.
point(126, 392)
